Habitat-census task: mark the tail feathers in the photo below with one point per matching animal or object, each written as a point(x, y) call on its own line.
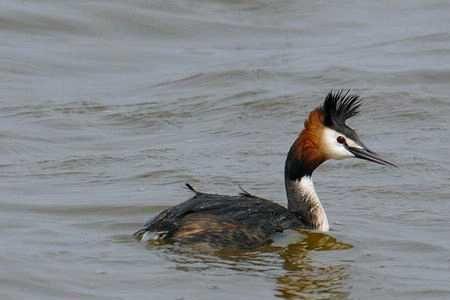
point(138, 234)
point(144, 235)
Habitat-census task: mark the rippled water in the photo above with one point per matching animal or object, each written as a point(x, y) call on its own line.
point(108, 107)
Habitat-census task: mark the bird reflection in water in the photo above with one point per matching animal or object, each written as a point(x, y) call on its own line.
point(297, 274)
point(306, 279)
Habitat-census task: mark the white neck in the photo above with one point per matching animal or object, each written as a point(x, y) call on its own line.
point(303, 200)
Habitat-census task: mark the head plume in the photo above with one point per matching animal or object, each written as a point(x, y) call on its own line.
point(339, 106)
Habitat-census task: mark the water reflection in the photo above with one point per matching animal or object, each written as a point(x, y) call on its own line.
point(305, 278)
point(296, 273)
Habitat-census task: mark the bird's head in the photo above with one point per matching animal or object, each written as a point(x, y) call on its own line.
point(327, 136)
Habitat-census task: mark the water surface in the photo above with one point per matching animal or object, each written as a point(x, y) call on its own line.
point(108, 107)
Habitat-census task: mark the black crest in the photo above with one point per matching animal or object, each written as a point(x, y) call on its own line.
point(339, 106)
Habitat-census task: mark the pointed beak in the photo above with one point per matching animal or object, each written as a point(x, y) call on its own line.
point(365, 153)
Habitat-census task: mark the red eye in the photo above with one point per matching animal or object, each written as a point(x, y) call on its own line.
point(340, 140)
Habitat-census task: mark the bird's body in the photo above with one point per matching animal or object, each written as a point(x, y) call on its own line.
point(241, 221)
point(246, 221)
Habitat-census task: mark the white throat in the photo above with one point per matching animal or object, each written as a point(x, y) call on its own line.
point(303, 200)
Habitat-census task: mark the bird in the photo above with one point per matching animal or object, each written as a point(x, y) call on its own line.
point(246, 221)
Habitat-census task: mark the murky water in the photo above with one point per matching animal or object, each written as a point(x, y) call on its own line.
point(108, 107)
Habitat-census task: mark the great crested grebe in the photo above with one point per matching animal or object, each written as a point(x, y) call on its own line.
point(247, 221)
